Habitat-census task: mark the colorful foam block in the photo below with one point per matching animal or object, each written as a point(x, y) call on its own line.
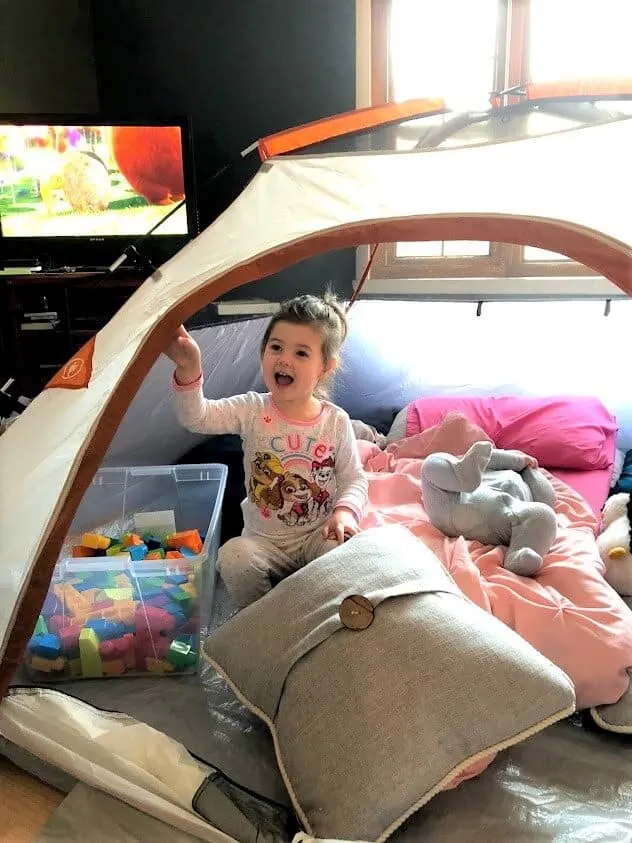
point(177, 579)
point(181, 653)
point(158, 665)
point(91, 662)
point(40, 627)
point(48, 665)
point(183, 600)
point(46, 646)
point(114, 549)
point(69, 637)
point(160, 600)
point(119, 593)
point(174, 554)
point(80, 552)
point(138, 552)
point(95, 541)
point(159, 553)
point(187, 538)
point(131, 539)
point(105, 629)
point(154, 619)
point(114, 668)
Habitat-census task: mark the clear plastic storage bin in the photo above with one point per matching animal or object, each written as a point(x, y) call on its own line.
point(137, 606)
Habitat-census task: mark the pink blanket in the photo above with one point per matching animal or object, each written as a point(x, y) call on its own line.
point(568, 612)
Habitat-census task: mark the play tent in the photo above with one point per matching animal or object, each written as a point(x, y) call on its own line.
point(296, 206)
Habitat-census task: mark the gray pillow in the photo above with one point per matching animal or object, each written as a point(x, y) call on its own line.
point(397, 430)
point(376, 702)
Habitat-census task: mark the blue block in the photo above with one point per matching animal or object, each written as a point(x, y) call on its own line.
point(46, 646)
point(177, 579)
point(149, 591)
point(179, 617)
point(105, 630)
point(159, 601)
point(137, 552)
point(187, 552)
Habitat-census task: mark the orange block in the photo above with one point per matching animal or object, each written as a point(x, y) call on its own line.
point(131, 539)
point(188, 538)
point(80, 552)
point(174, 554)
point(114, 668)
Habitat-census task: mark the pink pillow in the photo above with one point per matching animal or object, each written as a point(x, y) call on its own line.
point(562, 432)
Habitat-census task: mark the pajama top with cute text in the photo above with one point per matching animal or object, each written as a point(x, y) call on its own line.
point(296, 472)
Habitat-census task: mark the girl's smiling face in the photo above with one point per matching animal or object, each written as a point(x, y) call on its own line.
point(293, 363)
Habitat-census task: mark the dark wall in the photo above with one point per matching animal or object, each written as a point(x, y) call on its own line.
point(241, 69)
point(46, 56)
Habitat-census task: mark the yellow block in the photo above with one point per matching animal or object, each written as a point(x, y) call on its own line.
point(95, 541)
point(48, 665)
point(157, 665)
point(91, 661)
point(119, 593)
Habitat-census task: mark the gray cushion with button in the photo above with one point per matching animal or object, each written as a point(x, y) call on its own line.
point(380, 682)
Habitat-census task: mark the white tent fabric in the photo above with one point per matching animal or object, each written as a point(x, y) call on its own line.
point(581, 177)
point(290, 199)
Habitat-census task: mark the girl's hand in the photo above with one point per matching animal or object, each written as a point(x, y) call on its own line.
point(185, 353)
point(341, 525)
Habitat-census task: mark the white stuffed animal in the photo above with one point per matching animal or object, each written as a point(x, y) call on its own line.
point(614, 542)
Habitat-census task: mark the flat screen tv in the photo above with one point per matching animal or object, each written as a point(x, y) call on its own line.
point(76, 191)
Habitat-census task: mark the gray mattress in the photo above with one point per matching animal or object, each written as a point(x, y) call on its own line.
point(565, 784)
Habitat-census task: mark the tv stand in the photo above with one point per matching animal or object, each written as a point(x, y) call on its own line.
point(45, 316)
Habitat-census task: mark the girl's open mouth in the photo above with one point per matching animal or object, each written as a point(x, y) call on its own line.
point(282, 379)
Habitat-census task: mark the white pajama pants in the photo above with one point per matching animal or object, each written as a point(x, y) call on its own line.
point(251, 565)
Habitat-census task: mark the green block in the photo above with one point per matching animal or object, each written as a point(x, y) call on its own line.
point(40, 627)
point(115, 549)
point(184, 600)
point(91, 663)
point(181, 653)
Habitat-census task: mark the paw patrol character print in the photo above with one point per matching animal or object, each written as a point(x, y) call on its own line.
point(266, 472)
point(322, 475)
point(299, 495)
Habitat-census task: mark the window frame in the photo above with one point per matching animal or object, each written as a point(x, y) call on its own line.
point(372, 88)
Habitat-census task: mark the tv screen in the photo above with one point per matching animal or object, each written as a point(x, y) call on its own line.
point(94, 181)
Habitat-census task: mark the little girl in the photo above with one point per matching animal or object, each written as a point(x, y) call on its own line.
point(306, 490)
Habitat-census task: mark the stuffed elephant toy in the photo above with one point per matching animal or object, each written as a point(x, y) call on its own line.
point(495, 497)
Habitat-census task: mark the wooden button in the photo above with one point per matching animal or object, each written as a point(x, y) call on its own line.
point(356, 612)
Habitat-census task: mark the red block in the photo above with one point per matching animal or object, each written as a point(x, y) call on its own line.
point(58, 622)
point(69, 636)
point(153, 619)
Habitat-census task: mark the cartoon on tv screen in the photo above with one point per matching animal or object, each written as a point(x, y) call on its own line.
point(65, 181)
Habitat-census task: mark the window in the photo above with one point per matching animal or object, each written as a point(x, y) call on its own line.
point(463, 50)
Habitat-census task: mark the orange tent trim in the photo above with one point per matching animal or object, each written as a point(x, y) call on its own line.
point(348, 123)
point(579, 89)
